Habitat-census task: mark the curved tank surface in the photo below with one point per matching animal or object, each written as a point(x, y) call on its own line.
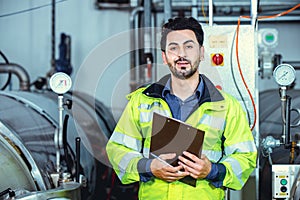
point(271, 124)
point(28, 122)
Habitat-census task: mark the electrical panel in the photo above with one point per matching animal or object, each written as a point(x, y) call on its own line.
point(220, 62)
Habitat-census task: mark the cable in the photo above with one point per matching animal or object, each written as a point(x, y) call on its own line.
point(4, 57)
point(234, 80)
point(30, 9)
point(9, 74)
point(237, 53)
point(280, 14)
point(242, 76)
point(203, 13)
point(270, 158)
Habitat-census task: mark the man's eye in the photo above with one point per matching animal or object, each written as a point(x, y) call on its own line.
point(189, 47)
point(173, 48)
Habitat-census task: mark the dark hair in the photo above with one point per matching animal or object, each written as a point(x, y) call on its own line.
point(181, 23)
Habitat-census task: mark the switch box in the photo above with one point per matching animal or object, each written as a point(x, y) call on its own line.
point(281, 185)
point(283, 179)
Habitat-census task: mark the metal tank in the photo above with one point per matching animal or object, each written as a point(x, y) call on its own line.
point(271, 124)
point(28, 121)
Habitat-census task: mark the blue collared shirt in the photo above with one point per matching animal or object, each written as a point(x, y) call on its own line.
point(181, 109)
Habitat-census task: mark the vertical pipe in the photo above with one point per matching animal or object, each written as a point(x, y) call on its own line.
point(210, 12)
point(254, 6)
point(167, 10)
point(77, 143)
point(147, 25)
point(283, 99)
point(287, 121)
point(194, 9)
point(59, 137)
point(154, 78)
point(53, 37)
point(133, 48)
point(146, 74)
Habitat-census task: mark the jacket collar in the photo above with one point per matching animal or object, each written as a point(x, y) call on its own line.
point(211, 94)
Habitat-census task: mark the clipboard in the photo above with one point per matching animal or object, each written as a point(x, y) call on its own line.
point(170, 135)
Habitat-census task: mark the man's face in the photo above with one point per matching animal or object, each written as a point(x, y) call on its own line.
point(183, 53)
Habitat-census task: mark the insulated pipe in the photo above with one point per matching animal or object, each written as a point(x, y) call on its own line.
point(19, 71)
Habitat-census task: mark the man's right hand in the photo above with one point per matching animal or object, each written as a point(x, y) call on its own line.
point(167, 172)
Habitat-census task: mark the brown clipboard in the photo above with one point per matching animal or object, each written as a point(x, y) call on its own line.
point(170, 135)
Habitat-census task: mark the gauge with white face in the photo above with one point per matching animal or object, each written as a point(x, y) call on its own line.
point(284, 74)
point(60, 83)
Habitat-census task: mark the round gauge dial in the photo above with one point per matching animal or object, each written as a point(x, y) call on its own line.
point(60, 83)
point(284, 74)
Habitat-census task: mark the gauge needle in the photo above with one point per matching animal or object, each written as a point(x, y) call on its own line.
point(283, 75)
point(60, 82)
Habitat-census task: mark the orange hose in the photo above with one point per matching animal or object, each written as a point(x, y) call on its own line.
point(242, 76)
point(237, 54)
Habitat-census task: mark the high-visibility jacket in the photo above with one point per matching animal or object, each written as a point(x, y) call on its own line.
point(228, 140)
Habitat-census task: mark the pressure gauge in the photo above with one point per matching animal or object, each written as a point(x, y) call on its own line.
point(284, 74)
point(60, 83)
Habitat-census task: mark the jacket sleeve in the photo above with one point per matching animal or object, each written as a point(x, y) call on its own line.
point(125, 145)
point(239, 148)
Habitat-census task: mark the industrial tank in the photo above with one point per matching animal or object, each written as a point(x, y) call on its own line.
point(28, 121)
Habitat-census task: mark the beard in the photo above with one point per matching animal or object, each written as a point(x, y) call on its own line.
point(184, 73)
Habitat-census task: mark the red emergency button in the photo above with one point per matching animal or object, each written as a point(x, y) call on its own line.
point(217, 59)
point(219, 87)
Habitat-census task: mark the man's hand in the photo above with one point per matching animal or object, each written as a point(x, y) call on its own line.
point(165, 171)
point(197, 168)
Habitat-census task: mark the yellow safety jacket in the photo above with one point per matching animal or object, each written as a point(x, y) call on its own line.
point(228, 139)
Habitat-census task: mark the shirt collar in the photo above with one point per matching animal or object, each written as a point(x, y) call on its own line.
point(198, 92)
point(167, 88)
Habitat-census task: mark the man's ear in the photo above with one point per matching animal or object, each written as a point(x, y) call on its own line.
point(202, 53)
point(163, 55)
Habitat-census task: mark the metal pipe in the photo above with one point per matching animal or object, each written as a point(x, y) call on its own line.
point(194, 9)
point(283, 99)
point(77, 144)
point(254, 6)
point(52, 37)
point(133, 81)
point(58, 139)
point(167, 9)
point(147, 25)
point(210, 12)
point(19, 71)
point(288, 121)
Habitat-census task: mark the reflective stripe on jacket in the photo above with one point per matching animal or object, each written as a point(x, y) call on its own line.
point(220, 115)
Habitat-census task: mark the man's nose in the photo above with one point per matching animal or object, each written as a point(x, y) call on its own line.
point(181, 53)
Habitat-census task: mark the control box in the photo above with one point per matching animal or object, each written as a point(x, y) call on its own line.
point(283, 180)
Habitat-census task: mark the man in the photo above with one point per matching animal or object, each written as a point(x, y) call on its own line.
point(229, 153)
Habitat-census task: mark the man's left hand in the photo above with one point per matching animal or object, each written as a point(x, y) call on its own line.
point(198, 168)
